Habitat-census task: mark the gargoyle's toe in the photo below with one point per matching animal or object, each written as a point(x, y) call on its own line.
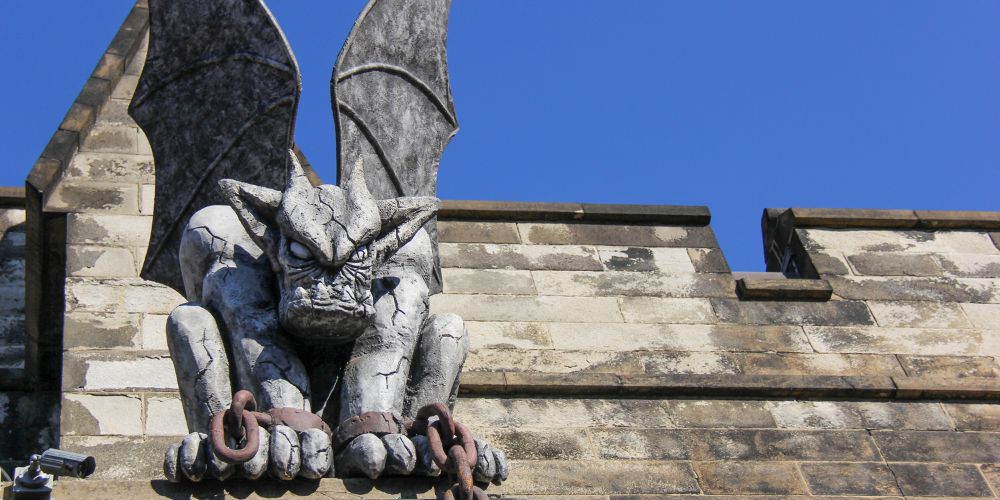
point(425, 462)
point(257, 465)
point(365, 455)
point(192, 456)
point(317, 453)
point(492, 465)
point(216, 467)
point(286, 459)
point(401, 455)
point(171, 465)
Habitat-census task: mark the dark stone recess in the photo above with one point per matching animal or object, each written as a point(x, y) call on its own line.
point(679, 215)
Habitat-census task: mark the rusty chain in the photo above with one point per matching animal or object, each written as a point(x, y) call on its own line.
point(461, 456)
point(240, 422)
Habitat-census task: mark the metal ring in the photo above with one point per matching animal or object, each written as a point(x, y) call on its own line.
point(218, 437)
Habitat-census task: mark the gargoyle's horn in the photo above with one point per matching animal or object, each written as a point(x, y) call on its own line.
point(356, 186)
point(297, 183)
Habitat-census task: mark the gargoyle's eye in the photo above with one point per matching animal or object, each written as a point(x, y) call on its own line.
point(299, 250)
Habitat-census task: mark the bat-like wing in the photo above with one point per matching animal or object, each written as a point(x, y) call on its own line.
point(392, 102)
point(217, 100)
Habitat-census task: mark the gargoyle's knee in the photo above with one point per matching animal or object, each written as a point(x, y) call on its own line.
point(447, 332)
point(200, 362)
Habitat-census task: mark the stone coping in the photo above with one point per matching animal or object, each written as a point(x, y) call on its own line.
point(859, 218)
point(781, 288)
point(679, 215)
point(96, 91)
point(12, 197)
point(752, 386)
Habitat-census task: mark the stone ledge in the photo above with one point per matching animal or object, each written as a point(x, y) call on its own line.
point(766, 288)
point(750, 386)
point(12, 197)
point(675, 215)
point(891, 219)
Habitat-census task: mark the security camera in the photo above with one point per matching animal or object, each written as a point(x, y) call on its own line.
point(35, 481)
point(65, 463)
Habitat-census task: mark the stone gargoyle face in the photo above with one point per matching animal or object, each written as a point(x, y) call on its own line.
point(324, 244)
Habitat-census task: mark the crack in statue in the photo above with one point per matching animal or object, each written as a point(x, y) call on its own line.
point(313, 298)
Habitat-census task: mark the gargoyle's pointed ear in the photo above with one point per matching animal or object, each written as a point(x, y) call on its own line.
point(257, 208)
point(401, 219)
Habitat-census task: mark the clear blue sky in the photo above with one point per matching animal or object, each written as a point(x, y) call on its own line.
point(732, 104)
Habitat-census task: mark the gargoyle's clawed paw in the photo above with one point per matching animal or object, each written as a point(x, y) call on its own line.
point(283, 453)
point(393, 454)
point(492, 465)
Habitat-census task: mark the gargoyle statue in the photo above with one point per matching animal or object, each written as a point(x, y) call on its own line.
point(310, 301)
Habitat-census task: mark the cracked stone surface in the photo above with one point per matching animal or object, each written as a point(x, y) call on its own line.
point(401, 456)
point(286, 457)
point(364, 456)
point(317, 453)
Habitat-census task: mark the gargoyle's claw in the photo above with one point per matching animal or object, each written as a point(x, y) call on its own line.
point(317, 453)
point(401, 456)
point(491, 466)
point(286, 459)
point(425, 461)
point(216, 467)
point(171, 465)
point(193, 456)
point(365, 455)
point(256, 466)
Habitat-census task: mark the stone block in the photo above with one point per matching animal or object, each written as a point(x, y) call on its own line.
point(666, 310)
point(553, 233)
point(110, 230)
point(143, 143)
point(562, 413)
point(501, 335)
point(921, 314)
point(718, 413)
point(918, 341)
point(950, 366)
point(548, 444)
point(856, 242)
point(630, 337)
point(985, 316)
point(940, 480)
point(551, 361)
point(708, 260)
point(921, 289)
point(946, 388)
point(134, 457)
point(90, 414)
point(80, 117)
point(894, 264)
point(828, 262)
point(115, 112)
point(100, 330)
point(138, 60)
point(100, 262)
point(820, 364)
point(529, 257)
point(112, 167)
point(992, 474)
point(110, 67)
point(94, 92)
point(126, 87)
point(931, 446)
point(619, 283)
point(488, 281)
point(958, 219)
point(117, 371)
point(62, 146)
point(750, 478)
point(754, 288)
point(639, 444)
point(79, 196)
point(524, 308)
point(859, 415)
point(165, 416)
point(147, 196)
point(795, 313)
point(975, 416)
point(965, 265)
point(477, 232)
point(642, 259)
point(154, 332)
point(590, 477)
point(108, 138)
point(780, 445)
point(121, 295)
point(685, 363)
point(873, 479)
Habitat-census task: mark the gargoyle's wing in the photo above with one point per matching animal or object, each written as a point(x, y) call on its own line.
point(217, 100)
point(392, 103)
